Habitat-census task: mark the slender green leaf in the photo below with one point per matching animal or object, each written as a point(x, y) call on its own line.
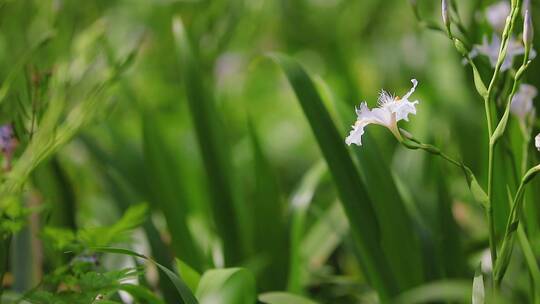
point(190, 275)
point(167, 193)
point(300, 202)
point(324, 236)
point(477, 191)
point(270, 237)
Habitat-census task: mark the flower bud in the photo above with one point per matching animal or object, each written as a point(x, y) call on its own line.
point(445, 14)
point(460, 47)
point(528, 31)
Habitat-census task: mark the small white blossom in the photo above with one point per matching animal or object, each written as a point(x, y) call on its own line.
point(526, 6)
point(390, 110)
point(537, 141)
point(491, 50)
point(522, 102)
point(485, 261)
point(496, 15)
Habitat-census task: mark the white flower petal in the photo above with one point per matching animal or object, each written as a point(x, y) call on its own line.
point(415, 83)
point(491, 50)
point(355, 136)
point(522, 102)
point(496, 15)
point(378, 116)
point(537, 141)
point(402, 109)
point(364, 117)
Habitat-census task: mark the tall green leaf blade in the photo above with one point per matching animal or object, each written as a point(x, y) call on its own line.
point(325, 235)
point(166, 191)
point(352, 192)
point(213, 146)
point(270, 238)
point(300, 201)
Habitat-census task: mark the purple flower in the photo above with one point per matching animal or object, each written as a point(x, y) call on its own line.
point(8, 143)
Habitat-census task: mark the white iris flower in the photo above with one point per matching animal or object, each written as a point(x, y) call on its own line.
point(522, 102)
point(390, 110)
point(496, 15)
point(491, 50)
point(537, 141)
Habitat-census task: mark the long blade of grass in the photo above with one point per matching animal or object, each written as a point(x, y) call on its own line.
point(166, 192)
point(324, 236)
point(364, 225)
point(213, 145)
point(270, 238)
point(300, 202)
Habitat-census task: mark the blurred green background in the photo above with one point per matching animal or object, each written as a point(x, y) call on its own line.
point(222, 153)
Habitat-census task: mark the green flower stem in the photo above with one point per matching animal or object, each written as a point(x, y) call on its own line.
point(415, 145)
point(516, 5)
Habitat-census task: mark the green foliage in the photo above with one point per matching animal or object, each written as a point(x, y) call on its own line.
point(251, 192)
point(82, 286)
point(62, 239)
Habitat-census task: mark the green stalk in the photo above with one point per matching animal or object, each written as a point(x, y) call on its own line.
point(489, 209)
point(415, 144)
point(487, 106)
